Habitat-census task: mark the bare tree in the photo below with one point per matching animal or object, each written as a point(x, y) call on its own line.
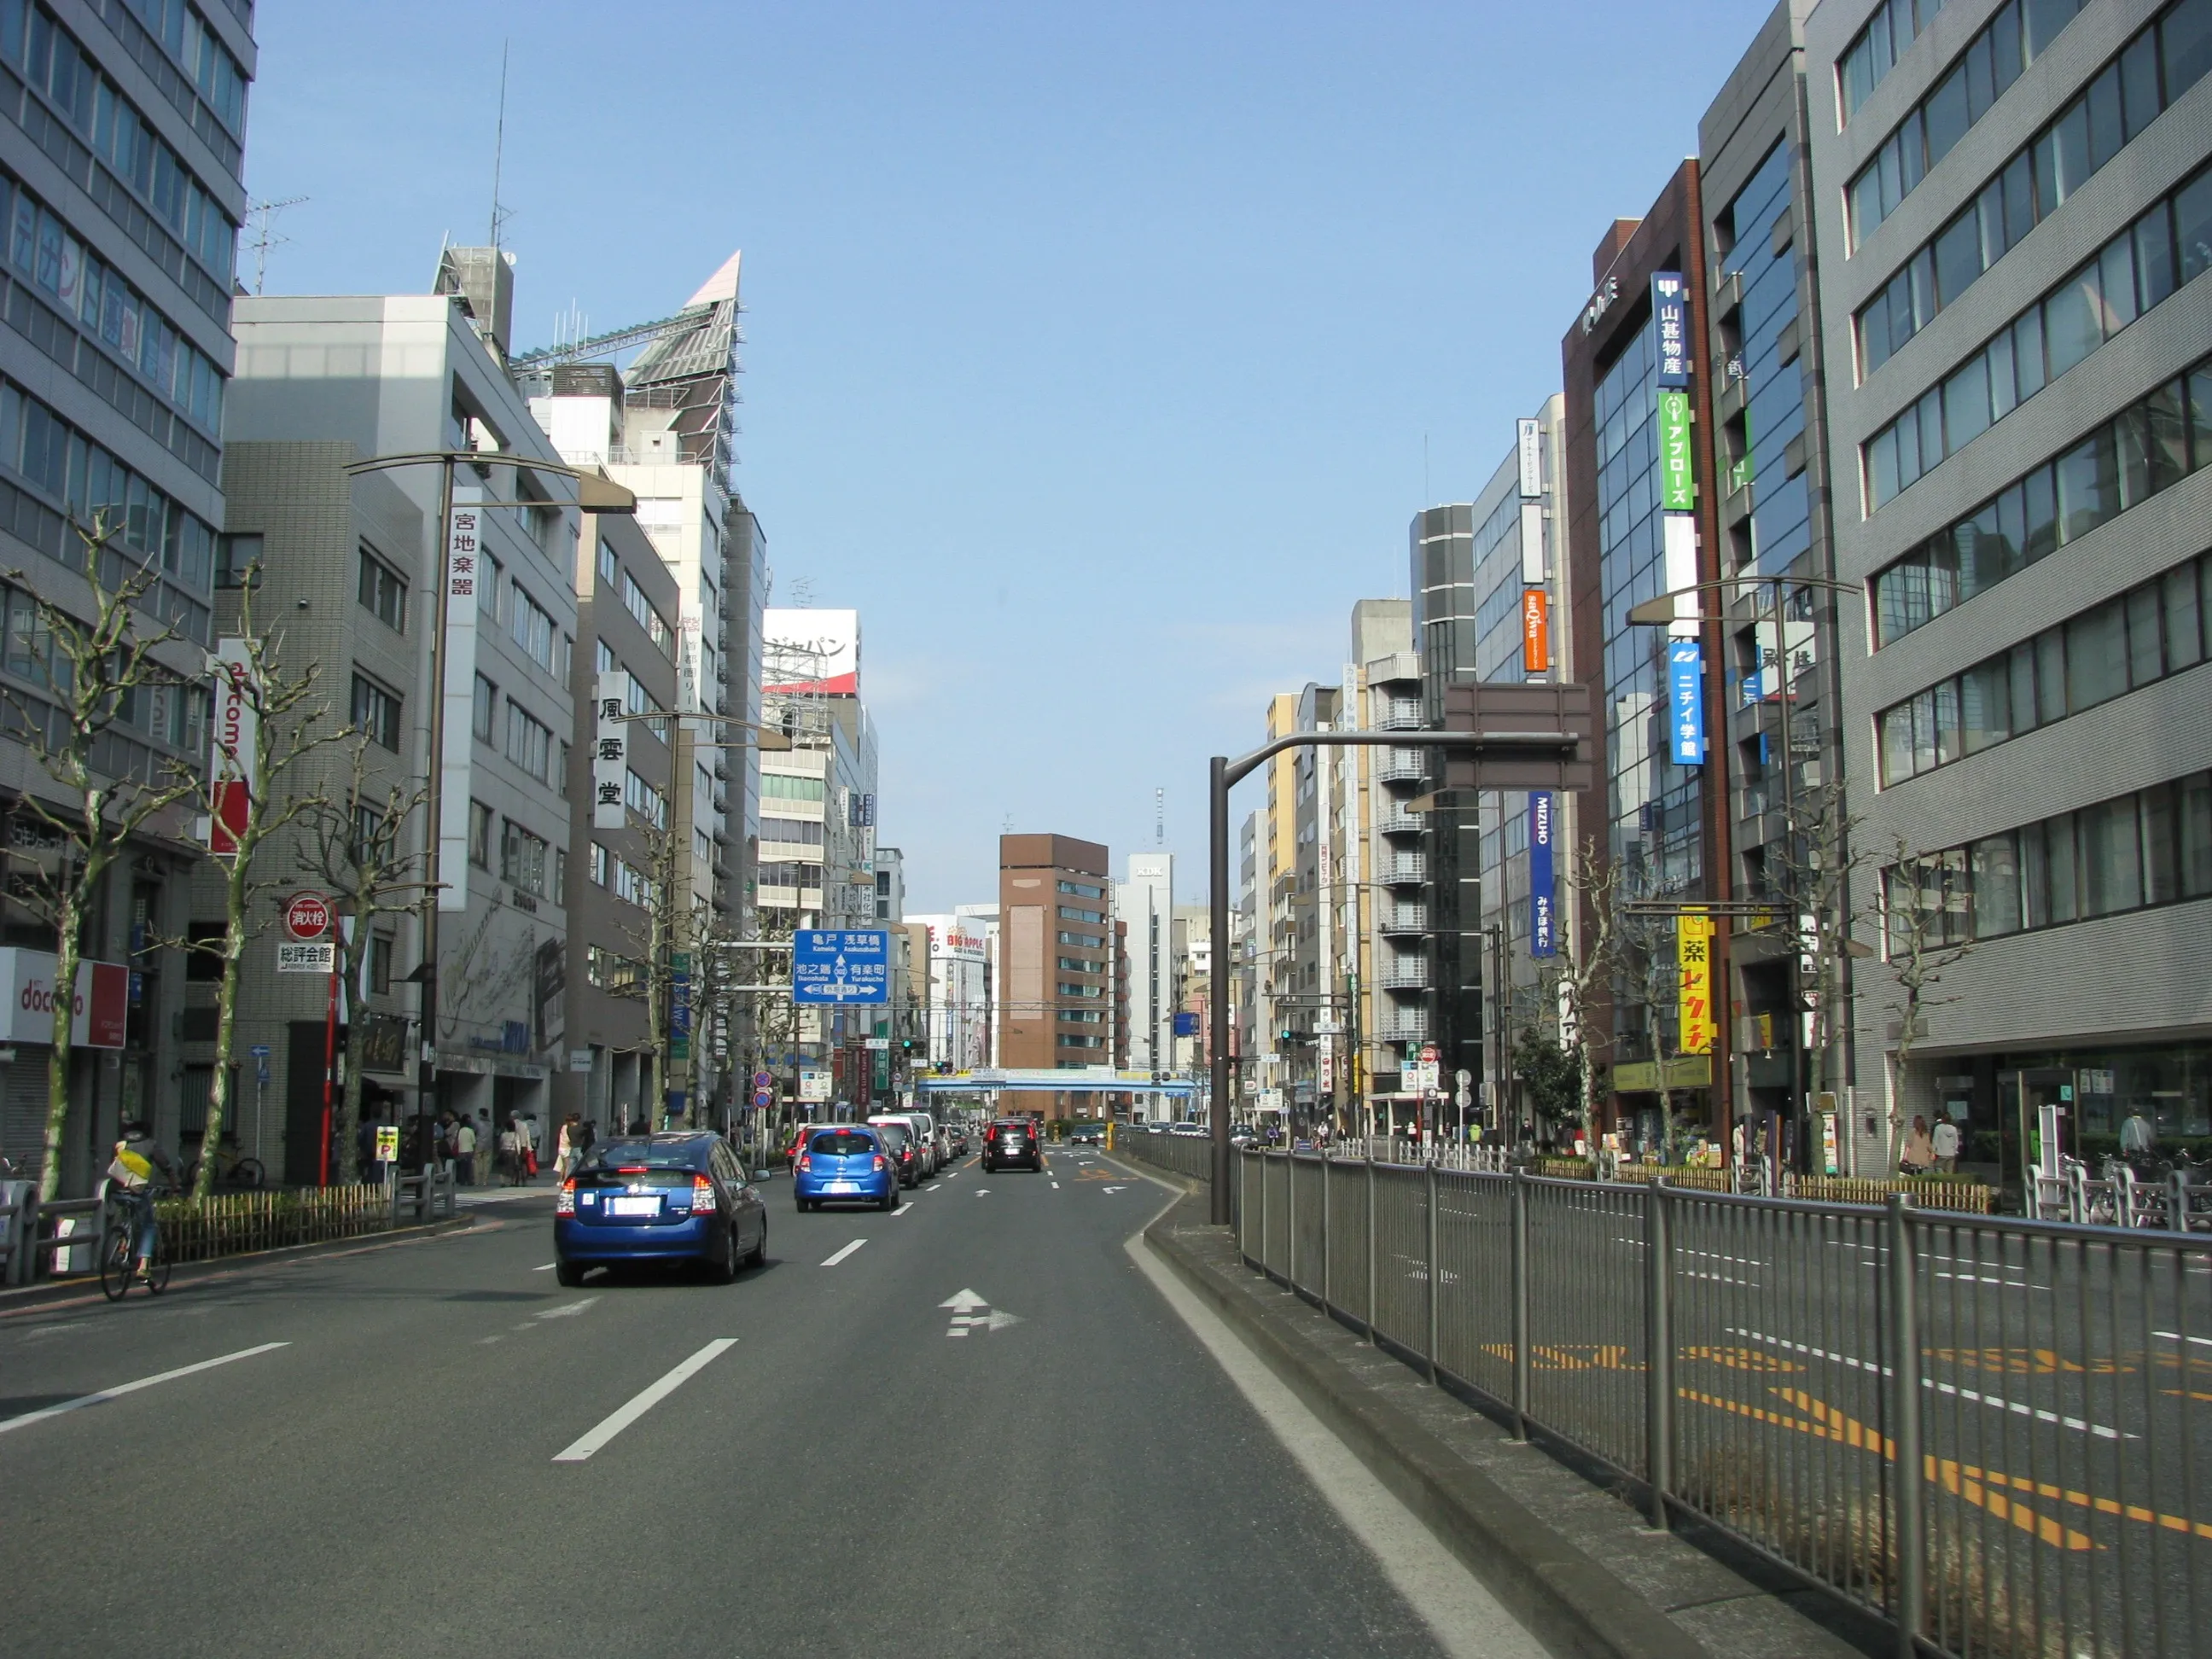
point(1583, 973)
point(355, 848)
point(1819, 861)
point(92, 671)
point(663, 931)
point(1919, 956)
point(286, 727)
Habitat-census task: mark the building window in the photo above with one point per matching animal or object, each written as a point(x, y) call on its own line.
point(559, 877)
point(610, 566)
point(376, 712)
point(529, 744)
point(237, 556)
point(379, 964)
point(1082, 890)
point(2157, 67)
point(382, 592)
point(2145, 635)
point(641, 608)
point(1082, 941)
point(647, 802)
point(522, 860)
point(480, 834)
point(486, 703)
point(531, 626)
point(489, 582)
point(2145, 448)
point(1079, 965)
point(632, 884)
point(1070, 912)
point(1875, 50)
point(603, 657)
point(785, 872)
point(2166, 247)
point(599, 865)
point(778, 786)
point(799, 832)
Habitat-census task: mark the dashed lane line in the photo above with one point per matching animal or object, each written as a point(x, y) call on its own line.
point(842, 1253)
point(903, 1208)
point(121, 1388)
point(580, 1449)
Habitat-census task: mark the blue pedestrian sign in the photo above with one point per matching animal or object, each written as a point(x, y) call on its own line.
point(840, 965)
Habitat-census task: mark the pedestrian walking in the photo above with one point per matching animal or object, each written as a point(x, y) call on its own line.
point(526, 1128)
point(1947, 1145)
point(465, 1152)
point(487, 1144)
point(566, 1149)
point(1919, 1149)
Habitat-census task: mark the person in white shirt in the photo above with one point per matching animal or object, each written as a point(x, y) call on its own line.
point(1947, 1145)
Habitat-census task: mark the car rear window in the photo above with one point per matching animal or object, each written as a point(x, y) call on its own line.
point(895, 1135)
point(845, 1143)
point(610, 1155)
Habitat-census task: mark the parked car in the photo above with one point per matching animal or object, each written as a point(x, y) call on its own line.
point(659, 1198)
point(1186, 1129)
point(1083, 1135)
point(1012, 1142)
point(933, 1147)
point(845, 1163)
point(904, 1150)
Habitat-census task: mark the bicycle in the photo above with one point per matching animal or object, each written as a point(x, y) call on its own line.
point(118, 1262)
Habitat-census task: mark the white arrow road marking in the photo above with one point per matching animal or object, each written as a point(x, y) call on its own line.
point(981, 1191)
point(582, 1449)
point(963, 1302)
point(122, 1389)
point(1111, 1189)
point(842, 1253)
point(568, 1312)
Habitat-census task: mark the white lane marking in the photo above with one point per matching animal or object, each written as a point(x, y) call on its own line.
point(547, 1269)
point(1465, 1619)
point(2176, 1336)
point(121, 1388)
point(580, 1449)
point(2019, 1407)
point(981, 1191)
point(904, 1207)
point(934, 1185)
point(568, 1312)
point(842, 1253)
point(1055, 1185)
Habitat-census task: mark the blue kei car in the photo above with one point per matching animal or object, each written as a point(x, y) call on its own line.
point(844, 1164)
point(659, 1197)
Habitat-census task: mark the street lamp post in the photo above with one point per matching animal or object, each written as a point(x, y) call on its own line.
point(594, 494)
point(1562, 748)
point(1660, 611)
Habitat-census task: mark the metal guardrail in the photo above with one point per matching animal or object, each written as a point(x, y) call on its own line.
point(1991, 1432)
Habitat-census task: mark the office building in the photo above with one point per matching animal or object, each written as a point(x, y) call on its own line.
point(114, 361)
point(2015, 221)
point(1636, 445)
point(1059, 971)
point(323, 381)
point(958, 1037)
point(1144, 905)
point(1379, 899)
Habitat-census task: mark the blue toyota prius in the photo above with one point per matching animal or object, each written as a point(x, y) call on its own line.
point(659, 1197)
point(844, 1164)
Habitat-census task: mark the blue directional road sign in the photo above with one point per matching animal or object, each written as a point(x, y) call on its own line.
point(839, 965)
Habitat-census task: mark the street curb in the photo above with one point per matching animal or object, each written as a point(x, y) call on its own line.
point(66, 1292)
point(1574, 1607)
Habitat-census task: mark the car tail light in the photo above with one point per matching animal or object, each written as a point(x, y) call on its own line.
point(880, 1165)
point(565, 1204)
point(703, 1193)
point(806, 1161)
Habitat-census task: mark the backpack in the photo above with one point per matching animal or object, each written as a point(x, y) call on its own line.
point(131, 1169)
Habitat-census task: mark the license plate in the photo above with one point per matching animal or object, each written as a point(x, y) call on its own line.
point(634, 1206)
point(844, 1186)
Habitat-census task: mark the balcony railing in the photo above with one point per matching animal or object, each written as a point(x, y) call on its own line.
point(1407, 919)
point(1402, 766)
point(1411, 1025)
point(1401, 717)
point(1403, 867)
point(1400, 823)
point(1406, 974)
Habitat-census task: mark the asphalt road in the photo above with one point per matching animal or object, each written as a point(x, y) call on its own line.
point(817, 1458)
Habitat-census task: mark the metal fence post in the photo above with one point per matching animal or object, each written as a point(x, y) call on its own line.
point(1290, 1209)
point(1434, 1271)
point(1521, 1304)
point(1910, 1608)
point(1371, 1275)
point(1325, 1277)
point(1264, 1158)
point(1658, 1349)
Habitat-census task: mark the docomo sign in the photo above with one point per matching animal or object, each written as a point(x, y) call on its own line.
point(236, 735)
point(307, 915)
point(102, 1003)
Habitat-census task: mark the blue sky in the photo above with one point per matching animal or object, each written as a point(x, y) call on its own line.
point(1098, 355)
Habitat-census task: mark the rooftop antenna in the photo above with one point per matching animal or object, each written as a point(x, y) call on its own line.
point(499, 215)
point(259, 216)
point(1159, 818)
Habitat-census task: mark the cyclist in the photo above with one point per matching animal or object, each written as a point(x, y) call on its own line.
point(138, 1159)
